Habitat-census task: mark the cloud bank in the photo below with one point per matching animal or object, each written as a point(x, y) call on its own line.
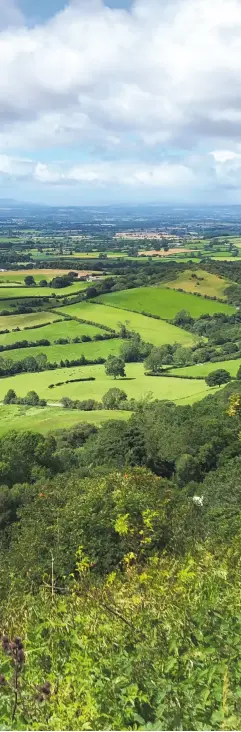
point(148, 98)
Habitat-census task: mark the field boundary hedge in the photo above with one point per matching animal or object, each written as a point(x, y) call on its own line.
point(165, 374)
point(70, 381)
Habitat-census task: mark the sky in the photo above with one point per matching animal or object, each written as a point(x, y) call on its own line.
point(129, 101)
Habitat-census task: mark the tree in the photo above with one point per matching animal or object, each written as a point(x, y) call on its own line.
point(43, 283)
point(182, 356)
point(41, 359)
point(230, 348)
point(10, 397)
point(187, 469)
point(158, 357)
point(115, 366)
point(130, 351)
point(183, 318)
point(91, 292)
point(29, 281)
point(201, 355)
point(114, 399)
point(218, 377)
point(123, 329)
point(32, 398)
point(30, 364)
point(239, 373)
point(134, 349)
point(67, 402)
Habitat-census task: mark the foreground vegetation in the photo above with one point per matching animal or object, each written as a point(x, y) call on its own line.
point(120, 567)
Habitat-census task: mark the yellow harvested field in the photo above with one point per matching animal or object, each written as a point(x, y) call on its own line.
point(201, 282)
point(162, 253)
point(21, 273)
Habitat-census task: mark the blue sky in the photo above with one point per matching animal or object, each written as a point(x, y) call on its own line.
point(120, 101)
point(44, 9)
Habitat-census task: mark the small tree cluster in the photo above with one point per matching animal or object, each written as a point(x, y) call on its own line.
point(31, 399)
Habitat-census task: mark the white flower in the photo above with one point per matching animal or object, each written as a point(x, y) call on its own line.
point(198, 500)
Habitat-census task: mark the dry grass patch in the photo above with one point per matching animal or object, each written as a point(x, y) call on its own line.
point(201, 282)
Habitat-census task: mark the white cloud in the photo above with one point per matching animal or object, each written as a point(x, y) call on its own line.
point(167, 74)
point(15, 167)
point(196, 178)
point(222, 156)
point(127, 174)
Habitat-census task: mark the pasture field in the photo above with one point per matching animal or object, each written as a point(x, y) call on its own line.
point(70, 351)
point(61, 329)
point(151, 330)
point(27, 320)
point(200, 281)
point(95, 255)
point(136, 385)
point(164, 302)
point(48, 419)
point(187, 259)
point(26, 292)
point(203, 369)
point(223, 256)
point(234, 240)
point(11, 305)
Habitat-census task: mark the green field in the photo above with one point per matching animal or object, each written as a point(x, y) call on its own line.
point(204, 283)
point(224, 257)
point(48, 419)
point(136, 385)
point(163, 302)
point(62, 329)
point(26, 292)
point(203, 369)
point(150, 330)
point(70, 351)
point(11, 304)
point(27, 320)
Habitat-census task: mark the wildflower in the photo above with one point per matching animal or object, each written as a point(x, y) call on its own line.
point(198, 500)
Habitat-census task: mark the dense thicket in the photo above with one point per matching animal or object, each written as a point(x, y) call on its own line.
point(120, 571)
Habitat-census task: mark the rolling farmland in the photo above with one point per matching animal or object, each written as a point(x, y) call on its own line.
point(104, 312)
point(57, 329)
point(28, 320)
point(69, 351)
point(150, 330)
point(27, 292)
point(136, 385)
